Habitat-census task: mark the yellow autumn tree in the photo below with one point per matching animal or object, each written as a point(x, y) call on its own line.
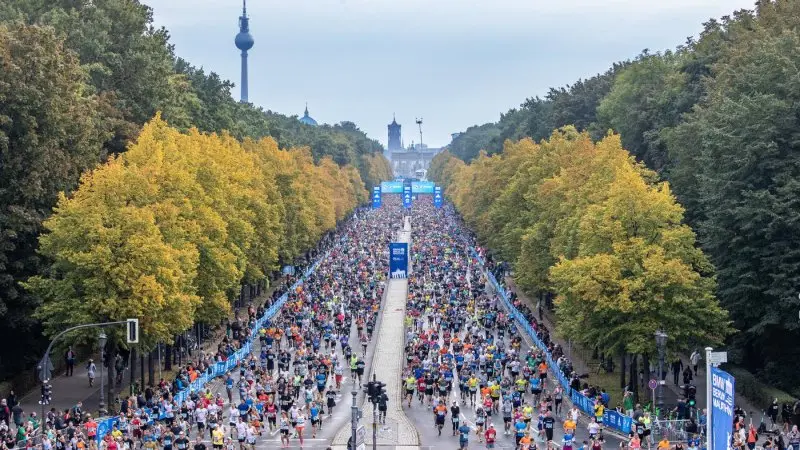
point(111, 260)
point(586, 222)
point(168, 231)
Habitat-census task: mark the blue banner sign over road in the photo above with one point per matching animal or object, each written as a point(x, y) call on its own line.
point(422, 187)
point(722, 389)
point(376, 197)
point(406, 196)
point(438, 199)
point(392, 187)
point(398, 260)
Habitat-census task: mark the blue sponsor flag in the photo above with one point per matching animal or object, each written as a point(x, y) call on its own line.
point(407, 196)
point(376, 197)
point(437, 197)
point(398, 259)
point(722, 391)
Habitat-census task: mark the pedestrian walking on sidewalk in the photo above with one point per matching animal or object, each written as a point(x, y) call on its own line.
point(694, 359)
point(91, 368)
point(69, 358)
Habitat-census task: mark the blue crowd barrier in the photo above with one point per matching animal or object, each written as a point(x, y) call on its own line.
point(611, 418)
point(106, 425)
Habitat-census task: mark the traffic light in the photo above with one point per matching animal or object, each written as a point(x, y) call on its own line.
point(132, 335)
point(691, 395)
point(372, 391)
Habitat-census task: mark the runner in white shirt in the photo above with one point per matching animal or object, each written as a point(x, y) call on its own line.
point(241, 433)
point(200, 415)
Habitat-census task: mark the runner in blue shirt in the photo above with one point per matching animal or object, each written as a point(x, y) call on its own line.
point(463, 436)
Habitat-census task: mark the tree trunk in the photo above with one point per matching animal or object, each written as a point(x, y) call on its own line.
point(634, 376)
point(646, 371)
point(622, 368)
point(141, 372)
point(151, 371)
point(132, 358)
point(167, 357)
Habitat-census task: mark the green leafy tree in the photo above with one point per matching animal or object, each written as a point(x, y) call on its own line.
point(51, 130)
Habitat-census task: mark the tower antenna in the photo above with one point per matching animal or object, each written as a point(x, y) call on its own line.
point(419, 122)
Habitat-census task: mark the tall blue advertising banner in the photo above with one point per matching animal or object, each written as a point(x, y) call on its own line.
point(406, 196)
point(722, 384)
point(422, 187)
point(437, 196)
point(391, 187)
point(398, 259)
point(376, 197)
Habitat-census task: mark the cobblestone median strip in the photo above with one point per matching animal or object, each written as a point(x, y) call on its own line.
point(387, 364)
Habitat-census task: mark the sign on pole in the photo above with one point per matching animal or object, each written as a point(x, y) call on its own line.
point(437, 196)
point(45, 370)
point(361, 435)
point(406, 196)
point(717, 358)
point(376, 197)
point(398, 260)
point(722, 395)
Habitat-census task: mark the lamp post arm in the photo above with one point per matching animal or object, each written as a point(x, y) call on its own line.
point(46, 358)
point(86, 325)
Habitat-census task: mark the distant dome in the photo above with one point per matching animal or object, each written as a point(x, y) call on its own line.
point(306, 119)
point(244, 41)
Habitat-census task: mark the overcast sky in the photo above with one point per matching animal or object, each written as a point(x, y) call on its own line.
point(455, 63)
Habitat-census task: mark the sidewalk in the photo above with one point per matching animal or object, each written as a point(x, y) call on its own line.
point(67, 391)
point(387, 364)
point(672, 392)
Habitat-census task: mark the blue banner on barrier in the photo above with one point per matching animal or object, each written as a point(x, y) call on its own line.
point(398, 259)
point(105, 426)
point(722, 390)
point(611, 418)
point(438, 199)
point(406, 196)
point(392, 187)
point(376, 197)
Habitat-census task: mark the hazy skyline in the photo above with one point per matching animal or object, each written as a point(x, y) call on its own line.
point(455, 63)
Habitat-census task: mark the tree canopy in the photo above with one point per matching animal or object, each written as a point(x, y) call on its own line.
point(717, 118)
point(600, 231)
point(168, 230)
point(78, 81)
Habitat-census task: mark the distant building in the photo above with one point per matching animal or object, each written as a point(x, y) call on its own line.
point(306, 119)
point(394, 136)
point(411, 162)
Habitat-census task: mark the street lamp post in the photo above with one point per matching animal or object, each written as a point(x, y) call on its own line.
point(354, 418)
point(661, 344)
point(374, 426)
point(101, 340)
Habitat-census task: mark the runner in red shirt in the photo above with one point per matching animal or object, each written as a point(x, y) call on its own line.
point(91, 428)
point(490, 436)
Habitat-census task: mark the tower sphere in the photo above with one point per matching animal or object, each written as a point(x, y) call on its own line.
point(244, 41)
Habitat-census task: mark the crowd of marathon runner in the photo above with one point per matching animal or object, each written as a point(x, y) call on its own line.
point(467, 365)
point(288, 384)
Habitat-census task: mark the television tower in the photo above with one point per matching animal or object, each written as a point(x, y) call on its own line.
point(244, 42)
